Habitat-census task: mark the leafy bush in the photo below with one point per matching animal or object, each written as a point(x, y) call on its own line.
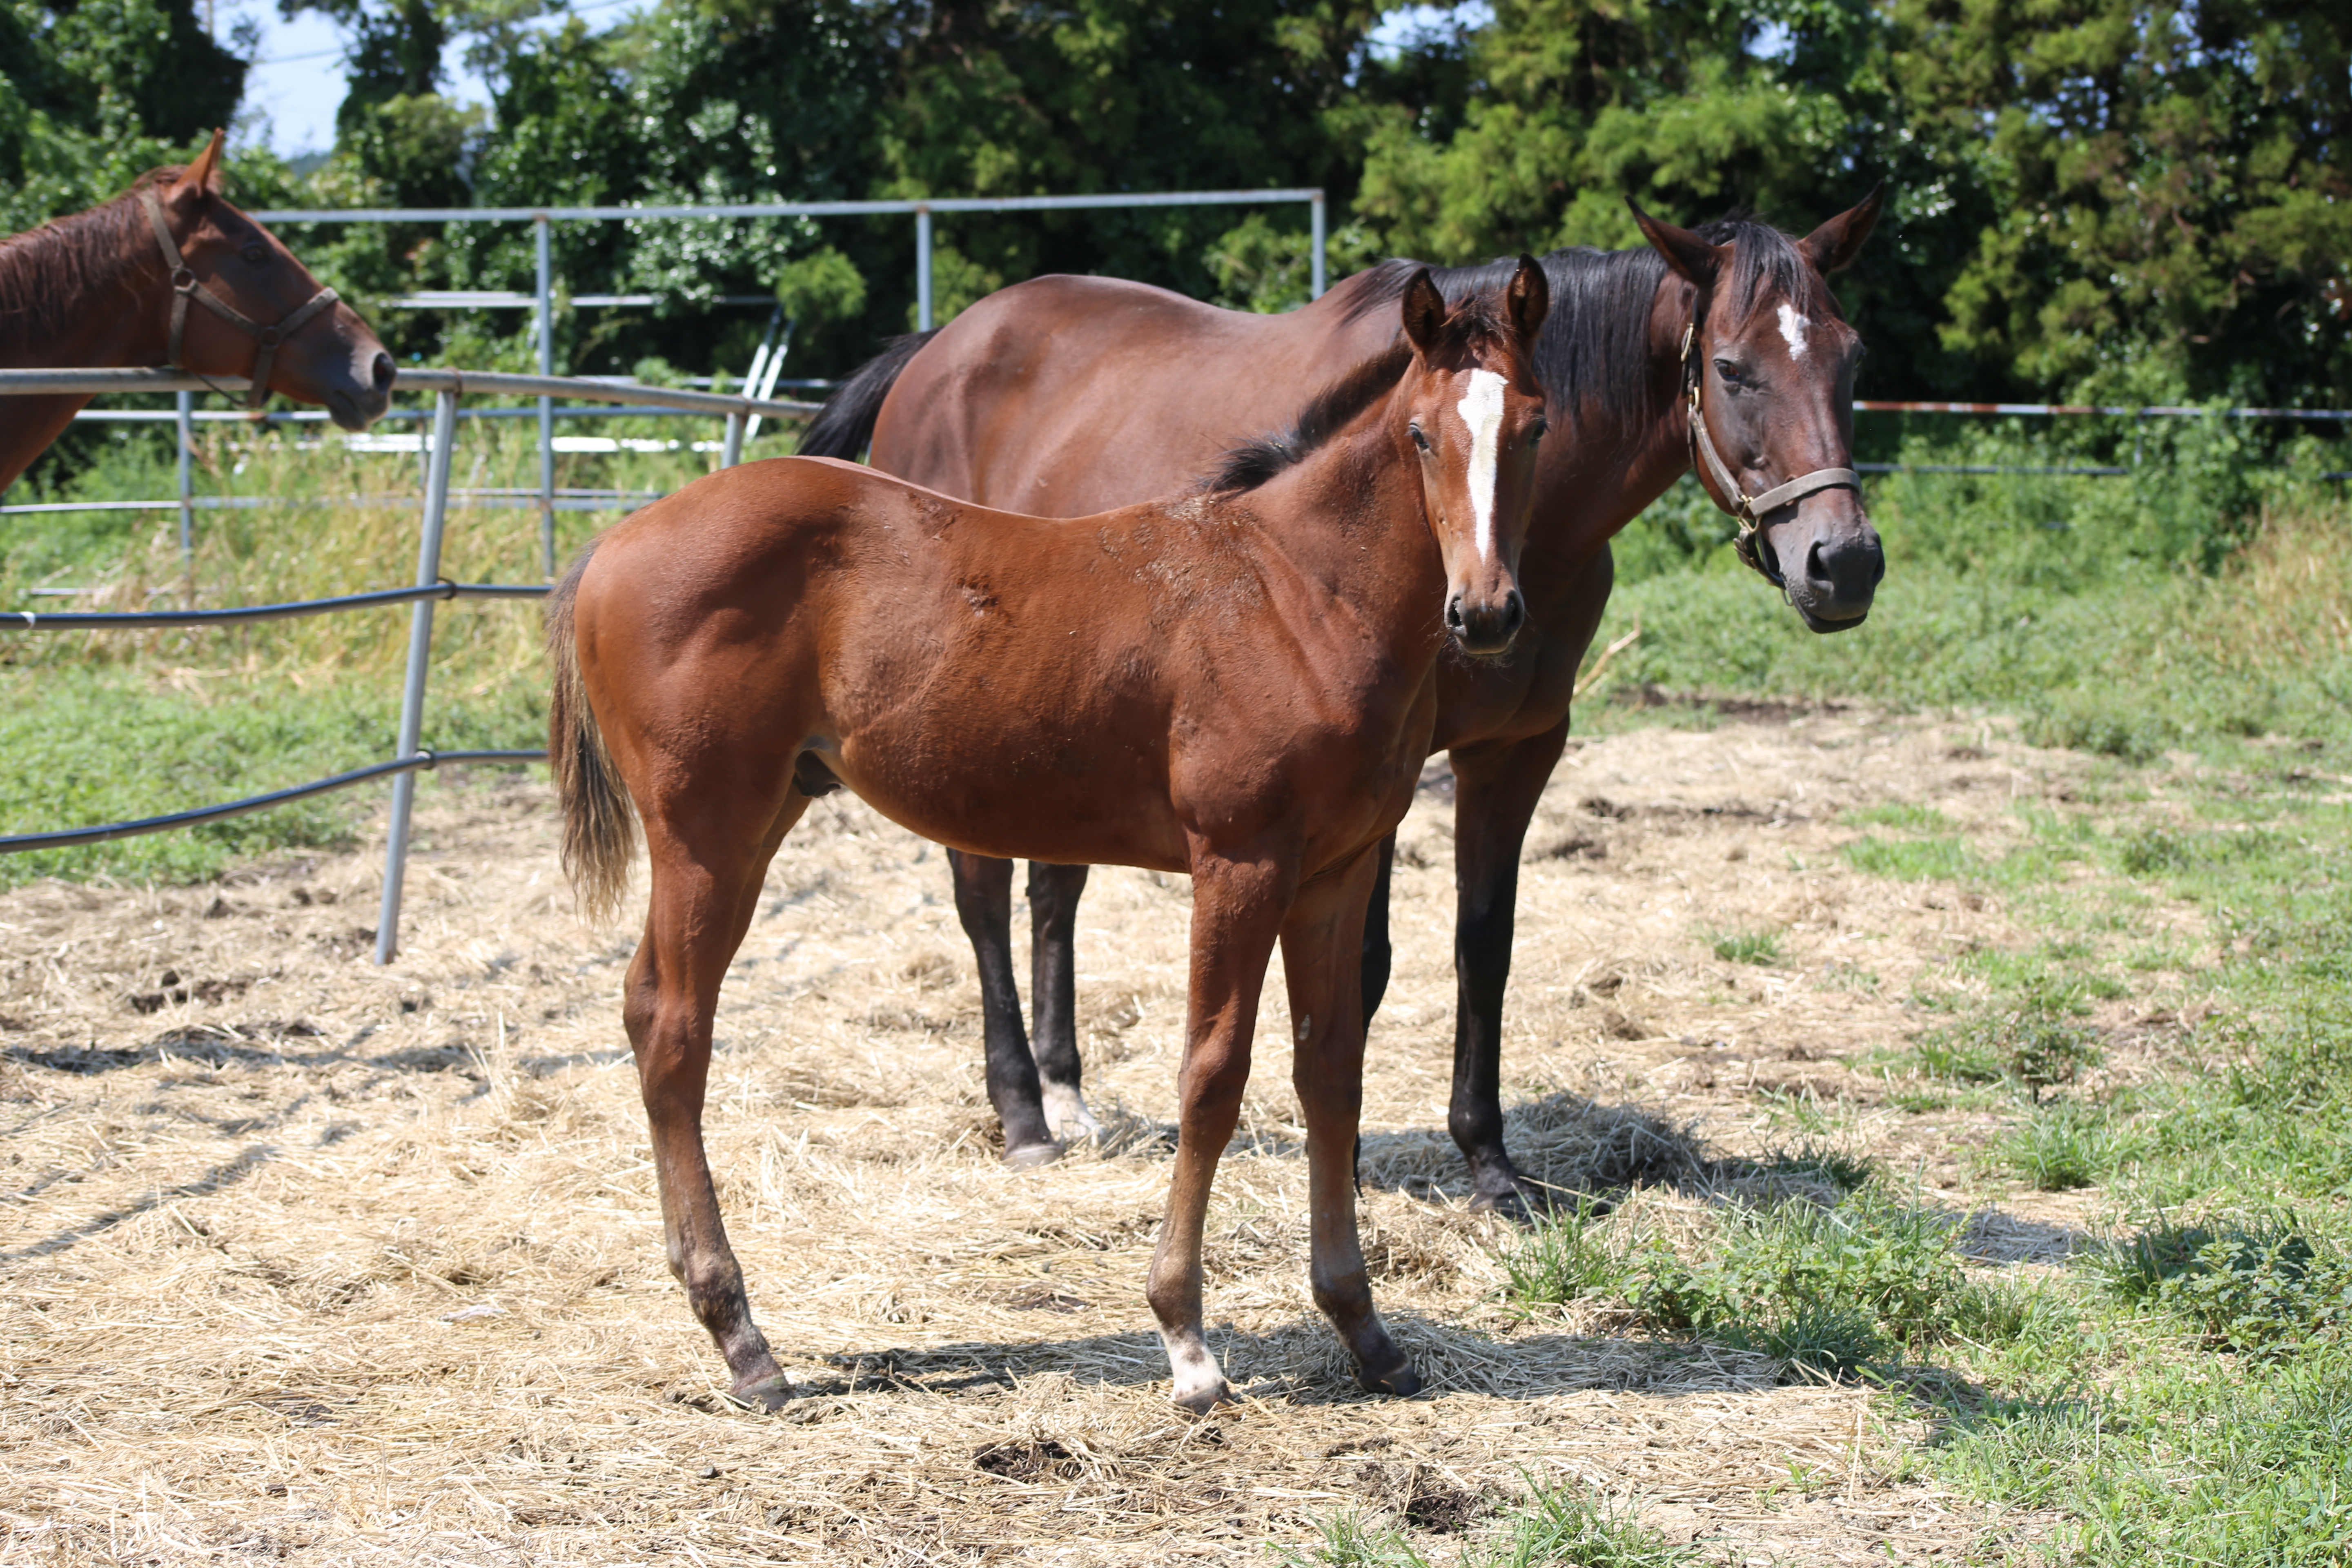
point(1834, 1285)
point(2246, 1285)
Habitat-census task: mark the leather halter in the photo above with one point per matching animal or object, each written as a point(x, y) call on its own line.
point(1748, 510)
point(185, 287)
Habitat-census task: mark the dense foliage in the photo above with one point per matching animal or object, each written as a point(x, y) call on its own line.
point(2131, 199)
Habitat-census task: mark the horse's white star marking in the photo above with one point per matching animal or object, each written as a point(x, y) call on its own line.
point(1792, 327)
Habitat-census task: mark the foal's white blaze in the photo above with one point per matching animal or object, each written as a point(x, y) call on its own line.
point(1792, 327)
point(1481, 409)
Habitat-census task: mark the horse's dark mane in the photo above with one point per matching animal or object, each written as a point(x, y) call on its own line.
point(1328, 412)
point(48, 273)
point(1595, 344)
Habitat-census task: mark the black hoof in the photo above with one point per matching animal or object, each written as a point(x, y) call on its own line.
point(1399, 1381)
point(1029, 1156)
point(766, 1394)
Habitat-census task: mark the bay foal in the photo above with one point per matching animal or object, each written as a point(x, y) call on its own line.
point(1236, 684)
point(1069, 396)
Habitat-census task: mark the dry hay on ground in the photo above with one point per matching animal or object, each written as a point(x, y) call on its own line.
point(308, 1259)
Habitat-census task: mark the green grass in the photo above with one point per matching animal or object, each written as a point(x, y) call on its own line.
point(1757, 947)
point(1553, 1527)
point(89, 745)
point(1944, 858)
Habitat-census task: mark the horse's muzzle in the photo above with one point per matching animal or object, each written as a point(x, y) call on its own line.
point(1831, 572)
point(357, 407)
point(1486, 630)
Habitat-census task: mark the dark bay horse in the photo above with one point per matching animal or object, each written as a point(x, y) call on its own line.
point(1066, 395)
point(1236, 684)
point(114, 286)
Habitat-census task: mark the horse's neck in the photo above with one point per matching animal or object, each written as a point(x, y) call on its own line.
point(1619, 455)
point(1351, 516)
point(80, 295)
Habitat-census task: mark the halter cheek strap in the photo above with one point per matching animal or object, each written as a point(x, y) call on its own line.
point(185, 287)
point(1748, 510)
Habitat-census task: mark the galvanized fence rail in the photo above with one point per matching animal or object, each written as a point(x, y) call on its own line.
point(409, 755)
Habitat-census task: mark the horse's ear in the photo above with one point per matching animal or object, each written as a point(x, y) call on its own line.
point(1529, 298)
point(1687, 253)
point(203, 176)
point(1836, 242)
point(1424, 312)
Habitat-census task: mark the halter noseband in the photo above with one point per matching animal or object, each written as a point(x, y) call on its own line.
point(1748, 510)
point(185, 287)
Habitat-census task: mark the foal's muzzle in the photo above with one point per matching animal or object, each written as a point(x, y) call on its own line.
point(1486, 630)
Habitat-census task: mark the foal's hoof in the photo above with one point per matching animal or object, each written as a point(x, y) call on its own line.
point(1029, 1156)
point(766, 1394)
point(1398, 1380)
point(1204, 1399)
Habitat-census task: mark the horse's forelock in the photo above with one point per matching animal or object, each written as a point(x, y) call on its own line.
point(1766, 269)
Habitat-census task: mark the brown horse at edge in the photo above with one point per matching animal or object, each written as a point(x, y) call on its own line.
point(1067, 395)
point(107, 287)
point(1235, 684)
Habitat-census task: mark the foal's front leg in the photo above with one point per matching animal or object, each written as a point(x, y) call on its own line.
point(1237, 911)
point(1321, 946)
point(705, 888)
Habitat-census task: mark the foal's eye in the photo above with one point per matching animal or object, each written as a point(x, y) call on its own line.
point(254, 254)
point(1729, 371)
point(1537, 431)
point(1418, 439)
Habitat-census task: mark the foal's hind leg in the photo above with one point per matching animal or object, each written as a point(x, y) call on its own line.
point(984, 893)
point(1054, 892)
point(1322, 946)
point(708, 864)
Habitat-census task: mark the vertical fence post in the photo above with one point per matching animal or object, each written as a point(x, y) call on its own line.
point(186, 429)
point(922, 269)
point(420, 656)
point(546, 309)
point(1315, 246)
point(731, 451)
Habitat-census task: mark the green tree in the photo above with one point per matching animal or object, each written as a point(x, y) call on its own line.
point(93, 94)
point(2174, 186)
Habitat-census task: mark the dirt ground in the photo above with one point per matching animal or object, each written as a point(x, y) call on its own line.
point(308, 1259)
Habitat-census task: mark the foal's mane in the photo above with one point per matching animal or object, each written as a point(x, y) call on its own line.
point(1329, 411)
point(1595, 344)
point(46, 274)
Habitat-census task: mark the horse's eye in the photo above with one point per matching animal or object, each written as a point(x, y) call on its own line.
point(1729, 371)
point(1418, 439)
point(1537, 431)
point(254, 254)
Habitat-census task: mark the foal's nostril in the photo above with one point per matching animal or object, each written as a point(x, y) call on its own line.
point(382, 372)
point(1515, 615)
point(1453, 613)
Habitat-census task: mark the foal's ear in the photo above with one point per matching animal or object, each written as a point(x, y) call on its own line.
point(203, 176)
point(1529, 298)
point(1687, 253)
point(1836, 242)
point(1424, 314)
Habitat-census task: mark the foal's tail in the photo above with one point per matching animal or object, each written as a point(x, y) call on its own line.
point(600, 831)
point(845, 425)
